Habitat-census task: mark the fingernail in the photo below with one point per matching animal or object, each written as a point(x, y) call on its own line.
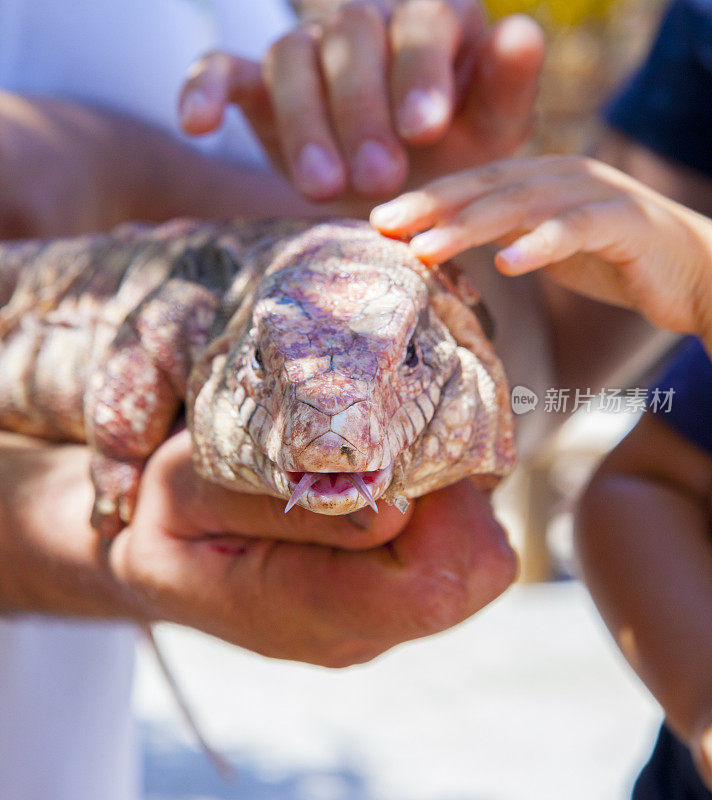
point(317, 171)
point(431, 241)
point(512, 257)
point(374, 169)
point(194, 106)
point(422, 111)
point(388, 216)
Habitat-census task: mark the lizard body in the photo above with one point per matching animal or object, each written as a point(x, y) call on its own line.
point(317, 361)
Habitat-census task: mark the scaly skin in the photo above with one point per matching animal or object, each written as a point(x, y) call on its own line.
point(312, 358)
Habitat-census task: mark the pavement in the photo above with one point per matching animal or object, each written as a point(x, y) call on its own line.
point(529, 700)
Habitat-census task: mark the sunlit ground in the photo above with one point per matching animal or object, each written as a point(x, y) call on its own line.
point(529, 700)
point(526, 701)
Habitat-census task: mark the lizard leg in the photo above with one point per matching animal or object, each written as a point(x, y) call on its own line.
point(130, 407)
point(134, 395)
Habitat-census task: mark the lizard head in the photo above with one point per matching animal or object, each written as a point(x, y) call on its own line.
point(340, 384)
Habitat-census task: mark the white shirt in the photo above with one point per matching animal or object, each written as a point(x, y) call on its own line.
point(65, 726)
point(133, 55)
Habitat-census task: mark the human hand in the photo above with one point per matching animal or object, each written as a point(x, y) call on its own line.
point(306, 587)
point(235, 566)
point(595, 230)
point(365, 100)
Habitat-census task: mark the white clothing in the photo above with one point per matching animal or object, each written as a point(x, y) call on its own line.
point(66, 731)
point(65, 725)
point(133, 55)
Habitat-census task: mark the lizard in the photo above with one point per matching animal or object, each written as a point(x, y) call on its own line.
point(317, 361)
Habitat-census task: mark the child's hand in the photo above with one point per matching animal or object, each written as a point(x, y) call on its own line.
point(598, 231)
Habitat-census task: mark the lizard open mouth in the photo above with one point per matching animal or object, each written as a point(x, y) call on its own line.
point(338, 489)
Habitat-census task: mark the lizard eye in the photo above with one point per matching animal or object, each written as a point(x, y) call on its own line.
point(411, 355)
point(257, 363)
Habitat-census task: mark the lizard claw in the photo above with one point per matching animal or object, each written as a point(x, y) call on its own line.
point(105, 517)
point(116, 486)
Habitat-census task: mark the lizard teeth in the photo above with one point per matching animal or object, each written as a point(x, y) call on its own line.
point(308, 480)
point(362, 489)
point(304, 485)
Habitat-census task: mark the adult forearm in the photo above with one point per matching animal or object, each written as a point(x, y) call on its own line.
point(50, 559)
point(67, 168)
point(174, 179)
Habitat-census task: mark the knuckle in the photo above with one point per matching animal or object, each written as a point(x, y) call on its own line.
point(200, 65)
point(491, 174)
point(426, 30)
point(208, 62)
point(362, 23)
point(517, 193)
point(213, 55)
point(438, 10)
point(547, 236)
point(577, 219)
point(223, 64)
point(284, 48)
point(363, 12)
point(357, 103)
point(635, 209)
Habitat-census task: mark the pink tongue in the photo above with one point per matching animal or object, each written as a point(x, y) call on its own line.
point(331, 483)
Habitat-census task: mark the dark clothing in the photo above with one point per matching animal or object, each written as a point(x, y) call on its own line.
point(670, 774)
point(667, 107)
point(690, 408)
point(667, 104)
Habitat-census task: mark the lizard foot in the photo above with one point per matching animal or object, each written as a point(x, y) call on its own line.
point(116, 487)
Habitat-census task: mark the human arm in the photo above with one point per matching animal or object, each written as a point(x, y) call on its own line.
point(235, 566)
point(67, 168)
point(643, 539)
point(654, 132)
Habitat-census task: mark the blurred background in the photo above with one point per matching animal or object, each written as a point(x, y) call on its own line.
point(529, 699)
